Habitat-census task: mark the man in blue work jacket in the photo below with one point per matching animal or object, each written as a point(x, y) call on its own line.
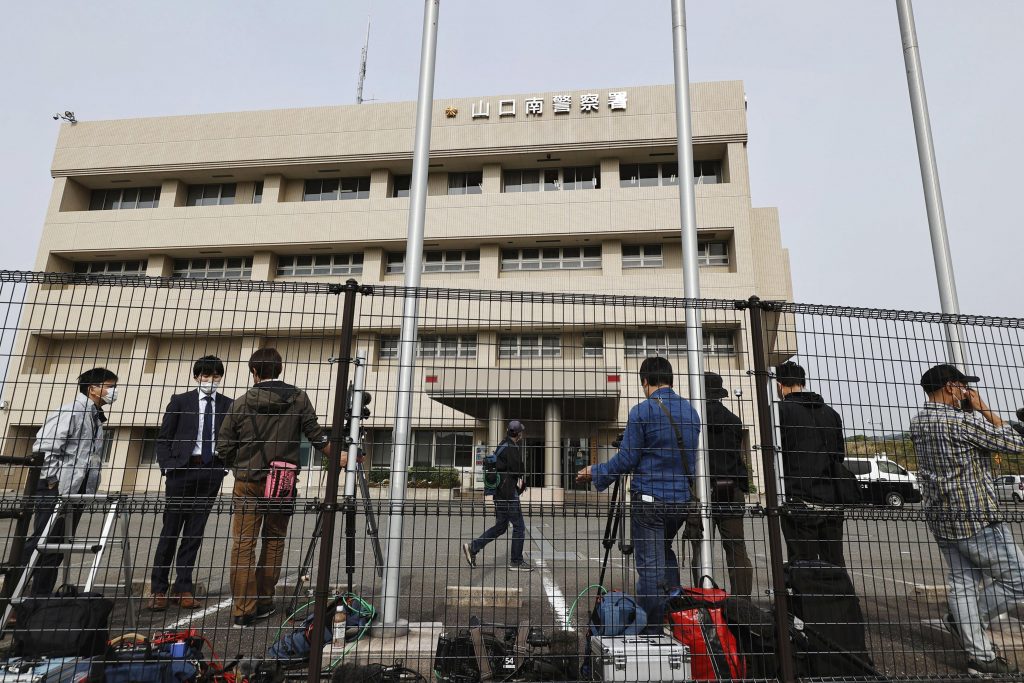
point(660, 485)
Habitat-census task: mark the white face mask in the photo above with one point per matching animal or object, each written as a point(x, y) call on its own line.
point(208, 387)
point(110, 396)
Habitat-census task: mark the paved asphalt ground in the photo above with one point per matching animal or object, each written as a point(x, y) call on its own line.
point(894, 563)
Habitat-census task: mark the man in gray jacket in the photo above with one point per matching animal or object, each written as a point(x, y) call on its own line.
point(71, 441)
point(263, 425)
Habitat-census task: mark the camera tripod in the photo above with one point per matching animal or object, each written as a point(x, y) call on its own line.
point(357, 411)
point(615, 528)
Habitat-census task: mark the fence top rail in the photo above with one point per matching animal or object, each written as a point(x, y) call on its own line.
point(826, 310)
point(482, 295)
point(147, 282)
point(563, 298)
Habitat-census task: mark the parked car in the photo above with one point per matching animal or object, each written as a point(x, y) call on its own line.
point(883, 482)
point(1010, 488)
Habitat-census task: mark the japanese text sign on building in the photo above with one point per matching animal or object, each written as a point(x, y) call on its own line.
point(587, 103)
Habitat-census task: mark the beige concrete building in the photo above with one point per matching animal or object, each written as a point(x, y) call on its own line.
point(572, 191)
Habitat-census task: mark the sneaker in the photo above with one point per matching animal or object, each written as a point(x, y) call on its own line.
point(245, 621)
point(950, 622)
point(467, 550)
point(993, 667)
point(264, 611)
point(520, 567)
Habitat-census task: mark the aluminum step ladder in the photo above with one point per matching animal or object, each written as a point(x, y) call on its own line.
point(114, 510)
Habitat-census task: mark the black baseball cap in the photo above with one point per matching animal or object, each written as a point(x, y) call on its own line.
point(713, 386)
point(516, 427)
point(940, 375)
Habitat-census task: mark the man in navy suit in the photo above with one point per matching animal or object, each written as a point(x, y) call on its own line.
point(187, 452)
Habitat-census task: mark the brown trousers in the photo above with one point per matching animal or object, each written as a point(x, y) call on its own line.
point(252, 582)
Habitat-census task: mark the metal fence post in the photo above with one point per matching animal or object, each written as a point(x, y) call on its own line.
point(762, 378)
point(329, 507)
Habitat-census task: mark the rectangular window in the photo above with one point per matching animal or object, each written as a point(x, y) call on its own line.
point(220, 194)
point(395, 264)
point(432, 346)
point(147, 452)
point(451, 261)
point(639, 175)
point(320, 264)
point(713, 253)
point(551, 258)
point(257, 193)
point(593, 344)
point(667, 173)
point(213, 268)
point(447, 346)
point(719, 342)
point(380, 443)
point(442, 449)
point(124, 198)
point(465, 183)
point(673, 343)
point(388, 347)
point(529, 346)
point(528, 180)
point(111, 267)
point(400, 185)
point(707, 172)
point(328, 189)
point(642, 256)
point(581, 178)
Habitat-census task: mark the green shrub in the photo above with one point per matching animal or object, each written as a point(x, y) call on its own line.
point(379, 474)
point(434, 477)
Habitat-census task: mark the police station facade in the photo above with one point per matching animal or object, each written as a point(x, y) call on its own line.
point(572, 191)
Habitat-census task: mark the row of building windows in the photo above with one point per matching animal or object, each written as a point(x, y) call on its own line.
point(447, 261)
point(212, 194)
point(460, 183)
point(637, 345)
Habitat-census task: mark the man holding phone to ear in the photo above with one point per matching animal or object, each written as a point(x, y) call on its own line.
point(955, 435)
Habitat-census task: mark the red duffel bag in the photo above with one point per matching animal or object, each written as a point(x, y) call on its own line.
point(697, 621)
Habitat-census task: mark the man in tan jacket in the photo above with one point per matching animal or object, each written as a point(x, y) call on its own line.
point(262, 426)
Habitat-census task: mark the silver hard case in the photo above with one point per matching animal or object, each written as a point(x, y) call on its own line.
point(639, 658)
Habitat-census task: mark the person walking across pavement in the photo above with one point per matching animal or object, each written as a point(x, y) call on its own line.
point(507, 510)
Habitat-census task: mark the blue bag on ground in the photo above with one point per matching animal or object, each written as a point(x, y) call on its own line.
point(294, 647)
point(617, 614)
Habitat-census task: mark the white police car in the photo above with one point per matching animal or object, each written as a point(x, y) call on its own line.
point(883, 482)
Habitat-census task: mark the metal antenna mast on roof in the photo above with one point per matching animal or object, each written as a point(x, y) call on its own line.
point(362, 64)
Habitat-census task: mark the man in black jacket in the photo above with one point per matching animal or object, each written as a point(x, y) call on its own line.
point(509, 465)
point(812, 452)
point(186, 450)
point(729, 484)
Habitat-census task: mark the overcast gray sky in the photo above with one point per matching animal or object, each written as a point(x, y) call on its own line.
point(831, 137)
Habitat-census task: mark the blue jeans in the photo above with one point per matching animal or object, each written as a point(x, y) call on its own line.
point(654, 528)
point(992, 554)
point(507, 512)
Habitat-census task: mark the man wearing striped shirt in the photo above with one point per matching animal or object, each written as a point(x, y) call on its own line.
point(955, 435)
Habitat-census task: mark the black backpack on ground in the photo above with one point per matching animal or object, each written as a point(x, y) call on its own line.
point(754, 629)
point(822, 596)
point(65, 624)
